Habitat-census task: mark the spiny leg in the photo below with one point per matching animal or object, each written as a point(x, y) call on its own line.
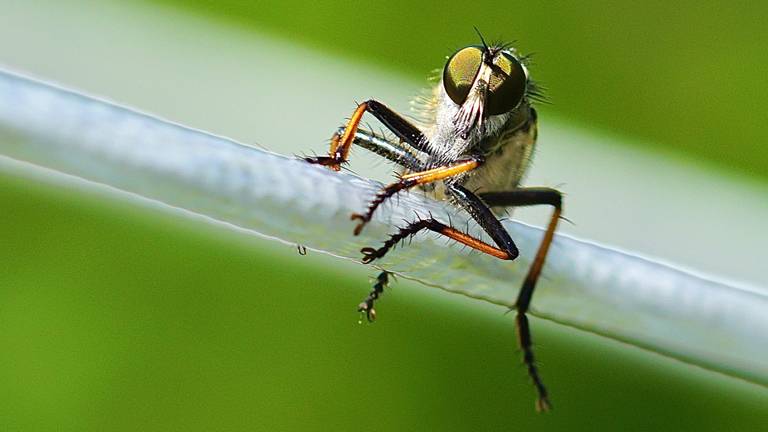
point(408, 181)
point(382, 281)
point(505, 248)
point(412, 141)
point(370, 254)
point(341, 143)
point(527, 197)
point(518, 198)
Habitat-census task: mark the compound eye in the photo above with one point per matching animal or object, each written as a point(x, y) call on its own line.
point(506, 87)
point(460, 72)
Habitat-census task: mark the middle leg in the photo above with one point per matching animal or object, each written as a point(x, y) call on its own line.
point(504, 248)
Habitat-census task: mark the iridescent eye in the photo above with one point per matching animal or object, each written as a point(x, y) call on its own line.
point(507, 85)
point(460, 72)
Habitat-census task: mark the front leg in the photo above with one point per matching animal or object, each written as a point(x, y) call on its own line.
point(409, 135)
point(408, 181)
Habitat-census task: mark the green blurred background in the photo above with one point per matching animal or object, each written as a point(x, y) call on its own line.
point(686, 75)
point(114, 317)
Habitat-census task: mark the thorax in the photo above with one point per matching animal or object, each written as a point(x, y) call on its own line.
point(507, 147)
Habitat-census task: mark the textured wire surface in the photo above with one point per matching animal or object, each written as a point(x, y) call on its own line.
point(585, 285)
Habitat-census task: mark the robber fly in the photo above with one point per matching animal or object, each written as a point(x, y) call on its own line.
point(473, 149)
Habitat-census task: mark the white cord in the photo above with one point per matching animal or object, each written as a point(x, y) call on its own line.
point(584, 285)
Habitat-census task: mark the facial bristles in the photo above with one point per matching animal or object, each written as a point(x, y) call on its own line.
point(470, 115)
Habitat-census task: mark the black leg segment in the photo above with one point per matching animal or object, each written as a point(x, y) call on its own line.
point(398, 125)
point(367, 305)
point(341, 142)
point(518, 198)
point(484, 217)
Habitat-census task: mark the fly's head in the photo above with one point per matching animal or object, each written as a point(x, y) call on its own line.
point(483, 81)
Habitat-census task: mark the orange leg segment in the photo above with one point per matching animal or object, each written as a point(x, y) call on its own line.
point(524, 197)
point(411, 139)
point(370, 254)
point(474, 243)
point(340, 144)
point(411, 180)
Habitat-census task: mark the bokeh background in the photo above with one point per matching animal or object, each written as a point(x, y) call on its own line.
point(114, 317)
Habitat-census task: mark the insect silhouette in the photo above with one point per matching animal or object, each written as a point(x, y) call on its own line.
point(474, 146)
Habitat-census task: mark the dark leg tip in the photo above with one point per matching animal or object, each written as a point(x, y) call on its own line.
point(363, 220)
point(324, 161)
point(369, 254)
point(370, 312)
point(315, 160)
point(543, 405)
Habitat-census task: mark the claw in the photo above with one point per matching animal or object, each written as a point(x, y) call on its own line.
point(363, 220)
point(370, 312)
point(325, 161)
point(543, 405)
point(370, 254)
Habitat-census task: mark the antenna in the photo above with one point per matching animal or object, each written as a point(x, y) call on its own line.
point(485, 45)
